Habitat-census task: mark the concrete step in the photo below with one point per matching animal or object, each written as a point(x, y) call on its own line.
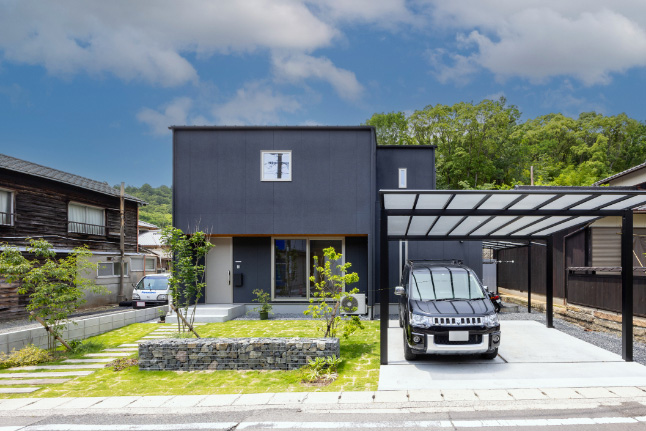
point(44, 374)
point(33, 381)
point(508, 307)
point(18, 390)
point(208, 313)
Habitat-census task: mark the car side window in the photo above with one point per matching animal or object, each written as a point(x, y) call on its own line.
point(405, 277)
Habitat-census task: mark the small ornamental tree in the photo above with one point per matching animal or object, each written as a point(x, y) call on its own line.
point(187, 274)
point(330, 278)
point(55, 286)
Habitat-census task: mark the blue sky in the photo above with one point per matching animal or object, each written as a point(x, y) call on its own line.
point(90, 87)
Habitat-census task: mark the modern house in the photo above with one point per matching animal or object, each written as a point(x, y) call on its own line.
point(68, 211)
point(272, 198)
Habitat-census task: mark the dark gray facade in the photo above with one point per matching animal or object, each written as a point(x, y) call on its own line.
point(332, 194)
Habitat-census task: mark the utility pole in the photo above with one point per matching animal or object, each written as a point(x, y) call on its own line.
point(122, 219)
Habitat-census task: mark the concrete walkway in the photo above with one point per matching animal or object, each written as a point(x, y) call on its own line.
point(531, 356)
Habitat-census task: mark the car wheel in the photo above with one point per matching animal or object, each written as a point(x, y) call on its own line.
point(490, 354)
point(408, 352)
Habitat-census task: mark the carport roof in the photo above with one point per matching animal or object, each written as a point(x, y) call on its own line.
point(521, 213)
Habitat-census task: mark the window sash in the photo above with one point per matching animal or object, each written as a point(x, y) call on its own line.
point(275, 165)
point(6, 207)
point(137, 264)
point(111, 269)
point(150, 264)
point(86, 219)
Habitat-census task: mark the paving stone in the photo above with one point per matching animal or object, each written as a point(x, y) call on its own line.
point(59, 367)
point(627, 392)
point(150, 401)
point(493, 395)
point(184, 401)
point(391, 397)
point(596, 393)
point(288, 398)
point(18, 391)
point(33, 381)
point(45, 404)
point(122, 349)
point(16, 403)
point(89, 360)
point(218, 400)
point(322, 398)
point(527, 394)
point(152, 337)
point(253, 399)
point(561, 393)
point(425, 395)
point(45, 374)
point(459, 395)
point(129, 345)
point(114, 402)
point(356, 398)
point(113, 354)
point(81, 403)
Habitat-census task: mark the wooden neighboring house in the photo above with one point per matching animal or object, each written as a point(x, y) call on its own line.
point(158, 257)
point(68, 211)
point(587, 260)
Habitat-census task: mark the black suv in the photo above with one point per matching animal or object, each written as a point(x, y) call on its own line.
point(444, 309)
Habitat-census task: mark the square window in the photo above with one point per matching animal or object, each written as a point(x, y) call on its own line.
point(111, 269)
point(85, 219)
point(276, 165)
point(137, 263)
point(150, 264)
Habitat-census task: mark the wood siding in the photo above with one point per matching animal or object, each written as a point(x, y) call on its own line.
point(41, 208)
point(604, 292)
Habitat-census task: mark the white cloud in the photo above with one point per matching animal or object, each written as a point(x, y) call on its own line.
point(147, 39)
point(385, 13)
point(589, 40)
point(174, 113)
point(299, 67)
point(255, 104)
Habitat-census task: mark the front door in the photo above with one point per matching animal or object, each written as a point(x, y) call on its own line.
point(219, 272)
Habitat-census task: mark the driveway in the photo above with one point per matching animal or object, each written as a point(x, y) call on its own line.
point(530, 356)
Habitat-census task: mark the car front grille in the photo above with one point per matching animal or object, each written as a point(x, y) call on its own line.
point(444, 340)
point(457, 321)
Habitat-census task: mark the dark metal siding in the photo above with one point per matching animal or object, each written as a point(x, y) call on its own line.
point(356, 252)
point(254, 255)
point(604, 292)
point(217, 183)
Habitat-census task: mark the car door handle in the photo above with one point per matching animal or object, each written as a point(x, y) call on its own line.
point(229, 272)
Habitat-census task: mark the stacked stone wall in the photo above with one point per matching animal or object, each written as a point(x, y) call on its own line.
point(234, 353)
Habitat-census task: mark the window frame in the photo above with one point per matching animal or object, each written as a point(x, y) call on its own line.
point(307, 258)
point(402, 184)
point(143, 264)
point(113, 264)
point(12, 207)
point(105, 220)
point(262, 171)
point(148, 258)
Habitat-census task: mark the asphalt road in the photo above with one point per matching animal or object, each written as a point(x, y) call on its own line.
point(608, 415)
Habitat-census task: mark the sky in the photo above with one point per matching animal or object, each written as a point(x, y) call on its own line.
point(90, 87)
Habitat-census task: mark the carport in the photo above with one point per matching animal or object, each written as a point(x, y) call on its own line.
point(522, 214)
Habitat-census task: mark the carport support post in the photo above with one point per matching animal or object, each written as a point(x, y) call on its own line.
point(627, 286)
point(549, 283)
point(383, 287)
point(529, 277)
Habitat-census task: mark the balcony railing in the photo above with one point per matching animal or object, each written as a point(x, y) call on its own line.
point(6, 219)
point(86, 228)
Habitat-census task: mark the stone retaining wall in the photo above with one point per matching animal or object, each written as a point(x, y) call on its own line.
point(234, 353)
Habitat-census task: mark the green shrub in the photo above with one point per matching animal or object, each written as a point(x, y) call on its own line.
point(322, 369)
point(28, 355)
point(86, 346)
point(122, 363)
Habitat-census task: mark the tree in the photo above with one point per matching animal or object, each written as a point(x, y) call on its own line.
point(55, 287)
point(187, 279)
point(329, 281)
point(391, 128)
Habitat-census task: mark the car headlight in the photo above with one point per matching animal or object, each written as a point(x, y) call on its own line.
point(135, 296)
point(491, 320)
point(420, 321)
point(162, 297)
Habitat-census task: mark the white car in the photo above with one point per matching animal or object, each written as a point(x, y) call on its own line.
point(152, 289)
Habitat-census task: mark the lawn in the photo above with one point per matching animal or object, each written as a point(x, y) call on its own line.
point(359, 370)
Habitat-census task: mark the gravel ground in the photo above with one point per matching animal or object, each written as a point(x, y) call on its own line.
point(18, 324)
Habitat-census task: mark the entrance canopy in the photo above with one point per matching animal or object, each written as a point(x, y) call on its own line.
point(506, 216)
point(500, 214)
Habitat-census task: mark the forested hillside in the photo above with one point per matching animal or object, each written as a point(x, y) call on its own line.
point(486, 146)
point(159, 199)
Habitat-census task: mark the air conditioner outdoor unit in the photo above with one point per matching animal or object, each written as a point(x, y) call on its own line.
point(354, 304)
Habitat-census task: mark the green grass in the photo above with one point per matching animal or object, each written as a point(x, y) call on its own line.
point(359, 370)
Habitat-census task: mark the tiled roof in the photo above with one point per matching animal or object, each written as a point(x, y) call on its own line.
point(150, 239)
point(620, 174)
point(148, 226)
point(25, 167)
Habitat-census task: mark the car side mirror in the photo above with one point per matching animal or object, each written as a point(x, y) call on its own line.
point(400, 291)
point(486, 288)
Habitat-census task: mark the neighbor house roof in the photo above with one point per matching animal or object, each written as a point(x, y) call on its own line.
point(620, 174)
point(29, 168)
point(150, 239)
point(148, 226)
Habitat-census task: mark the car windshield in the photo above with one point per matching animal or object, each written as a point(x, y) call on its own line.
point(444, 283)
point(150, 283)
